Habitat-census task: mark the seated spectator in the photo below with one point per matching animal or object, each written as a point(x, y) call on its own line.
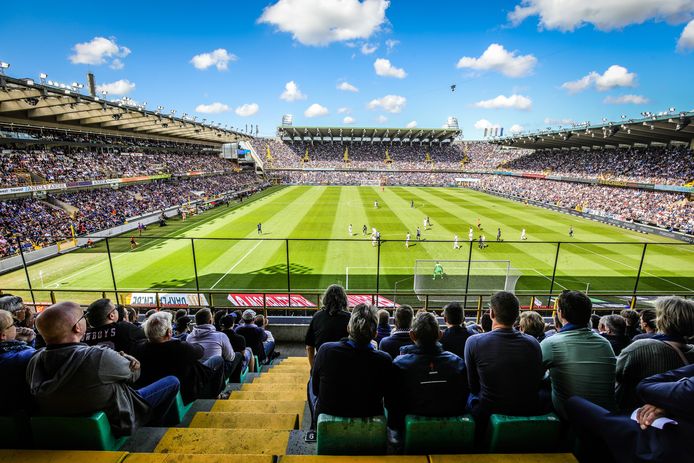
point(269, 343)
point(648, 324)
point(23, 316)
point(631, 318)
point(215, 344)
point(613, 328)
point(625, 440)
point(663, 352)
point(162, 355)
point(383, 325)
point(425, 374)
point(504, 366)
point(254, 335)
point(133, 316)
point(455, 335)
point(182, 328)
point(14, 357)
point(401, 335)
point(238, 342)
point(595, 322)
point(69, 378)
point(532, 324)
point(486, 323)
point(329, 323)
point(350, 377)
point(580, 361)
point(105, 329)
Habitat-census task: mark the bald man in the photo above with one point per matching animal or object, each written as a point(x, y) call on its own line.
point(69, 378)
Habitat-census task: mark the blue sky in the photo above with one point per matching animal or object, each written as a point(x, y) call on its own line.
point(525, 63)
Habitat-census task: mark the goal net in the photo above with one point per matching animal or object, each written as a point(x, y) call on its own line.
point(484, 276)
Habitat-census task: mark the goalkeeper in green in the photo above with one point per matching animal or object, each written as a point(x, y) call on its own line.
point(438, 271)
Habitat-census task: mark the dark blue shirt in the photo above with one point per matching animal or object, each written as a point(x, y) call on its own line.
point(454, 339)
point(394, 342)
point(504, 369)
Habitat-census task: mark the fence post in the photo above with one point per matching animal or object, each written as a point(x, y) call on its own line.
point(26, 271)
point(110, 264)
point(195, 266)
point(378, 271)
point(638, 275)
point(467, 277)
point(289, 280)
point(554, 273)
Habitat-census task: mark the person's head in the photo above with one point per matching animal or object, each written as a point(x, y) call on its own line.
point(260, 320)
point(453, 314)
point(595, 321)
point(183, 324)
point(8, 329)
point(647, 319)
point(228, 321)
point(14, 305)
point(383, 317)
point(486, 322)
point(425, 330)
point(132, 315)
point(149, 313)
point(101, 312)
point(363, 324)
point(504, 308)
point(334, 299)
point(180, 313)
point(675, 316)
point(574, 307)
point(158, 327)
point(217, 317)
point(248, 316)
point(403, 317)
point(203, 317)
point(612, 324)
point(631, 317)
point(531, 323)
point(62, 323)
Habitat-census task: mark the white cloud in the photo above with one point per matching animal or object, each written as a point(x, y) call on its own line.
point(497, 58)
point(485, 124)
point(246, 110)
point(343, 110)
point(116, 64)
point(381, 119)
point(686, 41)
point(348, 120)
point(98, 51)
point(292, 92)
point(347, 87)
point(605, 15)
point(506, 102)
point(321, 22)
point(614, 76)
point(119, 87)
point(411, 124)
point(213, 108)
point(626, 99)
point(383, 68)
point(218, 58)
point(390, 44)
point(515, 128)
point(316, 110)
point(389, 103)
point(367, 48)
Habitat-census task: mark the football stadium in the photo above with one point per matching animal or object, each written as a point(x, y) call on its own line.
point(320, 236)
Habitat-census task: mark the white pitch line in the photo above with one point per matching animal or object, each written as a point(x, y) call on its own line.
point(236, 264)
point(545, 276)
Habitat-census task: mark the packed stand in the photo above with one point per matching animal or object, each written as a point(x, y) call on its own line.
point(367, 178)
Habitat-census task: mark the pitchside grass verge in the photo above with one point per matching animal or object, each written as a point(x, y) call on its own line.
point(232, 257)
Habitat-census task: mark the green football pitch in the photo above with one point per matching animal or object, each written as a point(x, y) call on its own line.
point(307, 226)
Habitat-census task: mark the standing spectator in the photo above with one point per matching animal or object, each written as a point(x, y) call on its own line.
point(401, 335)
point(613, 328)
point(329, 323)
point(456, 335)
point(214, 344)
point(105, 329)
point(648, 324)
point(14, 358)
point(580, 361)
point(532, 324)
point(383, 325)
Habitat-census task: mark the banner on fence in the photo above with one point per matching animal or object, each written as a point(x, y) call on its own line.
point(297, 300)
point(167, 300)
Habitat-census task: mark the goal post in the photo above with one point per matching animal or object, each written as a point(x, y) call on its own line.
point(452, 278)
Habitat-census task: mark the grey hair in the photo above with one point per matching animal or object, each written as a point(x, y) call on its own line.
point(157, 325)
point(675, 316)
point(614, 323)
point(11, 303)
point(426, 328)
point(363, 324)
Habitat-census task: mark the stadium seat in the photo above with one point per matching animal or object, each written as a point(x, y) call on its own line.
point(276, 421)
point(60, 456)
point(523, 433)
point(187, 458)
point(351, 436)
point(258, 366)
point(74, 432)
point(181, 408)
point(426, 435)
point(15, 432)
point(223, 441)
point(244, 374)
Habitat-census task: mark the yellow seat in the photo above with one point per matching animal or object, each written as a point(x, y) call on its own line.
point(187, 458)
point(505, 458)
point(222, 441)
point(275, 421)
point(299, 394)
point(60, 456)
point(277, 387)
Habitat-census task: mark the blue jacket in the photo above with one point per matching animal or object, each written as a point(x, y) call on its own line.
point(14, 390)
point(392, 344)
point(424, 377)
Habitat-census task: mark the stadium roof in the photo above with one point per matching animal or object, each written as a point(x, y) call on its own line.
point(25, 102)
point(652, 129)
point(366, 135)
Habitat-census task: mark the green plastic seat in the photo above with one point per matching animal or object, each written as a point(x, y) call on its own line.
point(15, 432)
point(181, 408)
point(258, 366)
point(74, 433)
point(523, 434)
point(244, 374)
point(426, 435)
point(351, 436)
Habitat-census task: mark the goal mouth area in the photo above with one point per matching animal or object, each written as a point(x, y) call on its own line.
point(462, 276)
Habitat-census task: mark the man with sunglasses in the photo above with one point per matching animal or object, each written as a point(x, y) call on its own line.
point(106, 328)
